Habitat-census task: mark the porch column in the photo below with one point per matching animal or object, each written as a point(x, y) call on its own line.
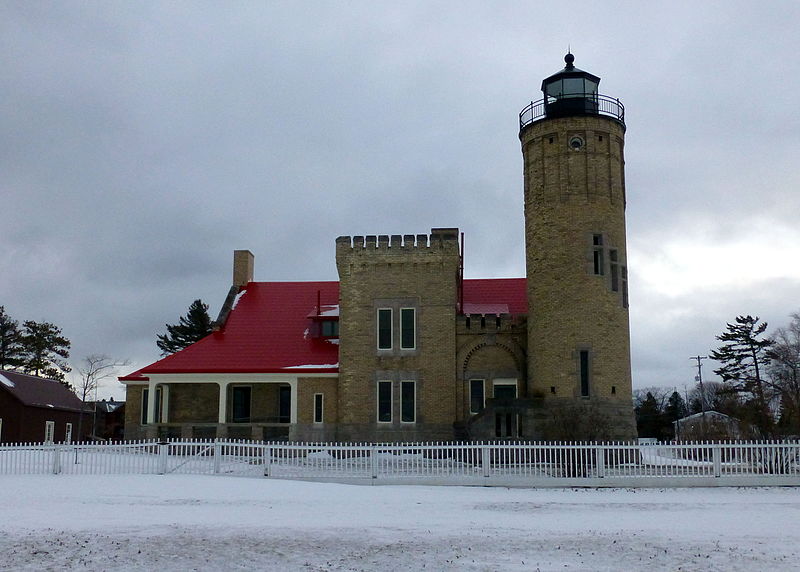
point(151, 402)
point(293, 399)
point(223, 402)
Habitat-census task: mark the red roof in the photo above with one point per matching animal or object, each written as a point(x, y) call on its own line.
point(493, 294)
point(269, 329)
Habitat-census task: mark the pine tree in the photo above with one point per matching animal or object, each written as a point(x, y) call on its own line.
point(45, 351)
point(195, 325)
point(10, 342)
point(648, 418)
point(744, 355)
point(676, 407)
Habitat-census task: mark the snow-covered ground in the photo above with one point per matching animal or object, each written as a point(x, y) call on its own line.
point(183, 522)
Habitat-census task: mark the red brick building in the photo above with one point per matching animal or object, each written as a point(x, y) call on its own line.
point(34, 409)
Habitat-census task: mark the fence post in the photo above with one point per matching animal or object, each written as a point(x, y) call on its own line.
point(374, 461)
point(56, 459)
point(163, 453)
point(268, 465)
point(716, 457)
point(486, 459)
point(600, 461)
point(217, 455)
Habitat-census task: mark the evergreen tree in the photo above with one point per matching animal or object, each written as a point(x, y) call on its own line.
point(648, 418)
point(195, 325)
point(744, 356)
point(676, 407)
point(45, 351)
point(10, 342)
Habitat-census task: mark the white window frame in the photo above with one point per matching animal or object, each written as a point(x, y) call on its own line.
point(483, 385)
point(68, 433)
point(159, 405)
point(378, 401)
point(378, 329)
point(321, 408)
point(49, 431)
point(414, 410)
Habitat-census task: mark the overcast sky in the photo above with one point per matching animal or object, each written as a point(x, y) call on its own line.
point(143, 142)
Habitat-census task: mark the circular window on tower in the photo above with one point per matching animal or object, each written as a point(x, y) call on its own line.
point(576, 143)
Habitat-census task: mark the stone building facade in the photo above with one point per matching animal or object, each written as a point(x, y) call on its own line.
point(403, 348)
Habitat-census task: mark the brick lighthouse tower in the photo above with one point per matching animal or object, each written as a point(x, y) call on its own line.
point(578, 329)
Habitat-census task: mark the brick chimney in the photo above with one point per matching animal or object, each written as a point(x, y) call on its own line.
point(242, 267)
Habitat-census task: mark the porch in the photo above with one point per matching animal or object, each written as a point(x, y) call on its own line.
point(232, 409)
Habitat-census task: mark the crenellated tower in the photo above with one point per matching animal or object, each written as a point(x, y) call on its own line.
point(397, 308)
point(574, 180)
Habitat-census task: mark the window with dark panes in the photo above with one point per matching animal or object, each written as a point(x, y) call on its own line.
point(407, 328)
point(384, 328)
point(408, 408)
point(476, 395)
point(385, 401)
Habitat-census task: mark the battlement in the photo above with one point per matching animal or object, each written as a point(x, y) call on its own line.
point(490, 323)
point(439, 240)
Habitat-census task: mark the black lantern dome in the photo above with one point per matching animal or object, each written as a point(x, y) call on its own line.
point(570, 91)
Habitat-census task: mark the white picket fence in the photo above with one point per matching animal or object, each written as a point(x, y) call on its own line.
point(501, 463)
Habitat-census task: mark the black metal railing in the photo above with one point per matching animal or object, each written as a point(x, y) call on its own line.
point(589, 104)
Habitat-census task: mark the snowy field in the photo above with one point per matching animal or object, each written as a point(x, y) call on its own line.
point(183, 522)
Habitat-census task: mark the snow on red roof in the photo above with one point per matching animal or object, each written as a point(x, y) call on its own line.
point(269, 330)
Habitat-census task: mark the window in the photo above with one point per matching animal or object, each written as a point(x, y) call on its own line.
point(384, 328)
point(384, 402)
point(318, 408)
point(408, 401)
point(49, 431)
point(597, 252)
point(504, 390)
point(584, 372)
point(145, 398)
point(612, 255)
point(407, 329)
point(624, 287)
point(240, 411)
point(68, 434)
point(330, 328)
point(284, 404)
point(477, 399)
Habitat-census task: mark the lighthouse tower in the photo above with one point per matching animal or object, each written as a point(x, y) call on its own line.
point(577, 267)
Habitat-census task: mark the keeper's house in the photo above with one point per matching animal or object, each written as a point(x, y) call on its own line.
point(403, 348)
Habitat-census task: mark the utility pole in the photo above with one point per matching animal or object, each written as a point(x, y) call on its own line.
point(699, 379)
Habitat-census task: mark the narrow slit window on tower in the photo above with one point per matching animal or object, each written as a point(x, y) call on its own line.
point(597, 254)
point(584, 372)
point(613, 258)
point(624, 287)
point(384, 328)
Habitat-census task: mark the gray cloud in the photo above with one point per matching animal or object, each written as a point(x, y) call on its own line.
point(143, 142)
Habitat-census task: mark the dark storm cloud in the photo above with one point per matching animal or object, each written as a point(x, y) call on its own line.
point(143, 142)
